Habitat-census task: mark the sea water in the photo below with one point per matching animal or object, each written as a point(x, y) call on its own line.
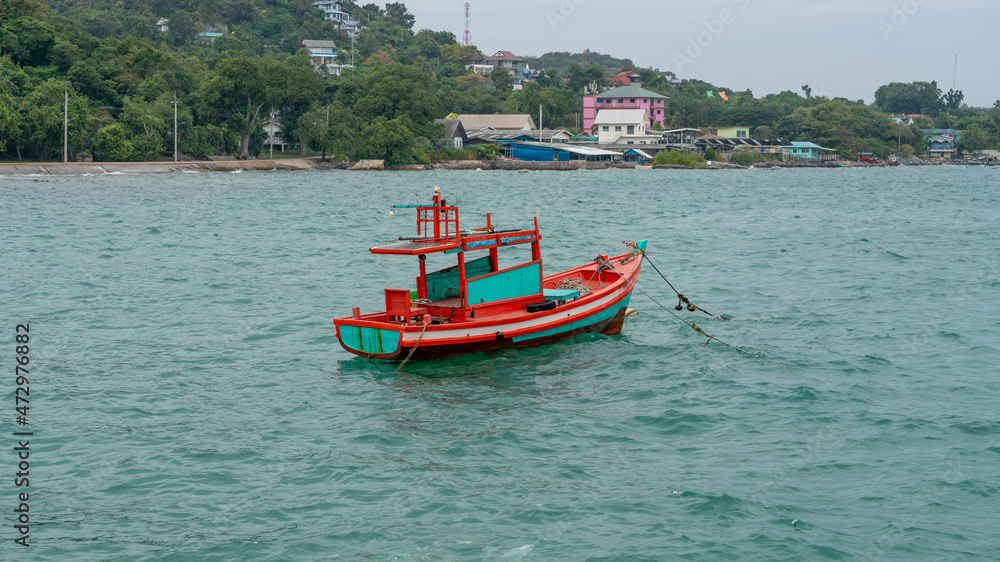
point(189, 399)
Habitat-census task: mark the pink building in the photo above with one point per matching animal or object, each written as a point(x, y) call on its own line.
point(625, 97)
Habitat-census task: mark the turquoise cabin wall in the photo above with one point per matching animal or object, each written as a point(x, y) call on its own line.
point(443, 284)
point(525, 280)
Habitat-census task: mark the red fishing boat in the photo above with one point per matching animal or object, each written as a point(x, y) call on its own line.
point(474, 305)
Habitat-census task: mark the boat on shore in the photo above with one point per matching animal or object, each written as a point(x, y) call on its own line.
point(475, 305)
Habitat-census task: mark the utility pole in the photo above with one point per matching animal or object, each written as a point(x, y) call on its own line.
point(540, 127)
point(270, 133)
point(175, 102)
point(66, 123)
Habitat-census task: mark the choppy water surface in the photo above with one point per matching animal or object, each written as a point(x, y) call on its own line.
point(191, 402)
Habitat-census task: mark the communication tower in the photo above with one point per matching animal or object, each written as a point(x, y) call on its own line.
point(467, 36)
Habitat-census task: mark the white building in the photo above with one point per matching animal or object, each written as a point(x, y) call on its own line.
point(623, 126)
point(344, 19)
point(322, 52)
point(273, 129)
point(480, 69)
point(162, 26)
point(324, 56)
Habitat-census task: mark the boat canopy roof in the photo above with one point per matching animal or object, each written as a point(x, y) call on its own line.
point(438, 231)
point(482, 239)
point(415, 247)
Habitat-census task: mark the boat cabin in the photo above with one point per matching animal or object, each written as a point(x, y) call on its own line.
point(475, 286)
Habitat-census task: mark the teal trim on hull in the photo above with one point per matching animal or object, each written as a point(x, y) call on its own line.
point(369, 340)
point(583, 322)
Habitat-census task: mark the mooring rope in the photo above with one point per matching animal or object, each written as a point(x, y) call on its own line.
point(412, 349)
point(692, 325)
point(681, 299)
point(711, 337)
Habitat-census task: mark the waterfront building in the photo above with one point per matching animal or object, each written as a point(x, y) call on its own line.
point(499, 124)
point(734, 132)
point(508, 60)
point(942, 146)
point(806, 150)
point(624, 97)
point(623, 126)
point(335, 12)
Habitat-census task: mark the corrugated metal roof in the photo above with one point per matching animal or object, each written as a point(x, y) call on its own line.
point(502, 121)
point(505, 55)
point(585, 150)
point(315, 44)
point(620, 116)
point(631, 92)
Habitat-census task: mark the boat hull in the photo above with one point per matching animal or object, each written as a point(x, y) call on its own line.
point(601, 311)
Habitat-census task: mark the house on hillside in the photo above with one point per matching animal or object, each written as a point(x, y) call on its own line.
point(454, 133)
point(734, 132)
point(623, 126)
point(335, 12)
point(500, 123)
point(624, 97)
point(480, 69)
point(508, 60)
point(208, 37)
point(626, 78)
point(161, 25)
point(322, 52)
point(942, 146)
point(211, 33)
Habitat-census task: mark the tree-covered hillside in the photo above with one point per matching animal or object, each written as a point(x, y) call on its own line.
point(560, 62)
point(123, 76)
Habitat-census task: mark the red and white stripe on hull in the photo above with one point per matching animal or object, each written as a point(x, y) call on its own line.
point(601, 310)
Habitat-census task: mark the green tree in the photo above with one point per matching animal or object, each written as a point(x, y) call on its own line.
point(580, 77)
point(28, 40)
point(396, 13)
point(181, 28)
point(394, 90)
point(502, 79)
point(9, 123)
point(343, 132)
point(111, 144)
point(975, 138)
point(41, 120)
point(915, 97)
point(302, 87)
point(952, 100)
point(145, 129)
point(237, 93)
point(312, 129)
point(13, 9)
point(387, 139)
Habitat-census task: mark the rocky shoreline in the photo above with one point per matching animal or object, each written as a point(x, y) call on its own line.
point(315, 163)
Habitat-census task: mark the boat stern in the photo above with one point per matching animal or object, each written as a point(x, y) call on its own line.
point(368, 339)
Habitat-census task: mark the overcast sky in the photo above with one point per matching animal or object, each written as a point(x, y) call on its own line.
point(841, 48)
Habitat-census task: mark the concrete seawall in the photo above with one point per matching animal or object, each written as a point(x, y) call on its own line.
point(97, 168)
